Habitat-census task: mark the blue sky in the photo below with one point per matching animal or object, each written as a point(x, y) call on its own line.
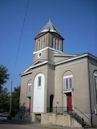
point(76, 20)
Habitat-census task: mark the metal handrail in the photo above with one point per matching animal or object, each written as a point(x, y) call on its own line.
point(76, 109)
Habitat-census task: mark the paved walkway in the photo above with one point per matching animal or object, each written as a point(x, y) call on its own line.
point(29, 126)
point(14, 125)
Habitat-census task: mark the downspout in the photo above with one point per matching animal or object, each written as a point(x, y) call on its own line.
point(90, 91)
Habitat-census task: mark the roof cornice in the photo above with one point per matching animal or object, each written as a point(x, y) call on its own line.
point(76, 58)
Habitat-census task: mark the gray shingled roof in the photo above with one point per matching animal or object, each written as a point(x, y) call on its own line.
point(49, 27)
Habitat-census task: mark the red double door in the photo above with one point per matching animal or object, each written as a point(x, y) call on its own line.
point(69, 102)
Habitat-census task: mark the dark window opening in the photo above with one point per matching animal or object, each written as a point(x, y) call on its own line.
point(39, 81)
point(51, 103)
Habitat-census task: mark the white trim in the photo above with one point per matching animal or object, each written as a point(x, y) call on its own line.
point(25, 73)
point(95, 74)
point(40, 50)
point(32, 66)
point(38, 95)
point(51, 30)
point(45, 49)
point(72, 59)
point(30, 84)
point(67, 91)
point(39, 55)
point(77, 57)
point(68, 76)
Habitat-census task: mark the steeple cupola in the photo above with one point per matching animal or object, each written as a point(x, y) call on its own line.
point(49, 37)
point(47, 42)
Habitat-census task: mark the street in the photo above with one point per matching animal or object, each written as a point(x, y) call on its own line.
point(13, 125)
point(28, 126)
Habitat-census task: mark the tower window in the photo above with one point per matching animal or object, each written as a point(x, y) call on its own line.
point(60, 45)
point(57, 46)
point(54, 42)
point(43, 42)
point(38, 44)
point(39, 81)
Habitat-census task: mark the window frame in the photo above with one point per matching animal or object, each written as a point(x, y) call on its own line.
point(68, 82)
point(54, 42)
point(39, 81)
point(29, 89)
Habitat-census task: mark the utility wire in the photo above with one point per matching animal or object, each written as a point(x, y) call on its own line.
point(17, 53)
point(20, 38)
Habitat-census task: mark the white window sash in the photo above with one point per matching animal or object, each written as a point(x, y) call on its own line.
point(68, 82)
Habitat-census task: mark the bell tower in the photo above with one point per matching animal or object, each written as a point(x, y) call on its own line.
point(47, 41)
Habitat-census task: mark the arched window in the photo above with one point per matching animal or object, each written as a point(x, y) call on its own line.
point(67, 86)
point(95, 82)
point(29, 88)
point(39, 91)
point(67, 82)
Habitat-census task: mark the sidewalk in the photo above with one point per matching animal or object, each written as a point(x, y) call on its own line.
point(40, 126)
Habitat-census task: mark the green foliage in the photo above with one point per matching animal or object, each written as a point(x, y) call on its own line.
point(15, 100)
point(4, 76)
point(4, 100)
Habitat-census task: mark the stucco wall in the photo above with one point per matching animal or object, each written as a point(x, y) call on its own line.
point(50, 83)
point(62, 120)
point(61, 58)
point(23, 90)
point(48, 72)
point(80, 92)
point(92, 69)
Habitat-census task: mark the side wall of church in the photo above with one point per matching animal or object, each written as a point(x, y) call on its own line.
point(80, 89)
point(92, 70)
point(50, 84)
point(24, 85)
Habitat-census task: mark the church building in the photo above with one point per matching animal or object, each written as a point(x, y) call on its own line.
point(59, 86)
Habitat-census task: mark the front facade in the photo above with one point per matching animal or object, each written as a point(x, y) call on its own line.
point(59, 83)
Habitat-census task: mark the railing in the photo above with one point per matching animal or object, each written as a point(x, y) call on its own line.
point(75, 109)
point(81, 117)
point(59, 110)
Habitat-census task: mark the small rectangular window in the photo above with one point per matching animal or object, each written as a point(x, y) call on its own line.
point(39, 81)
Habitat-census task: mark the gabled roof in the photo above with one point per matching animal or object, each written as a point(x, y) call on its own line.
point(49, 27)
point(27, 71)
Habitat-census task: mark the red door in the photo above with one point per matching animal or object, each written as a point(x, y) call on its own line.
point(69, 102)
